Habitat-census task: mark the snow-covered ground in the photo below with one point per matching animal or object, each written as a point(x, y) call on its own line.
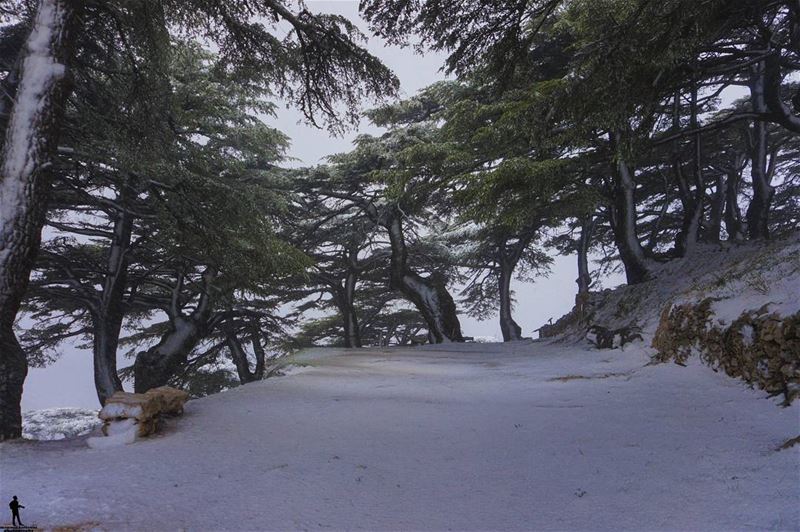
point(488, 436)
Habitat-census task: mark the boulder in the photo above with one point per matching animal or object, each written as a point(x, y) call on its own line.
point(170, 400)
point(124, 405)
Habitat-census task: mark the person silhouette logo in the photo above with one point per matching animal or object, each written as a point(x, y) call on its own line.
point(15, 506)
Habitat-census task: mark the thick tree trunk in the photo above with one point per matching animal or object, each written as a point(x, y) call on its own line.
point(105, 341)
point(623, 223)
point(508, 327)
point(345, 302)
point(154, 367)
point(429, 295)
point(30, 140)
point(108, 319)
point(763, 191)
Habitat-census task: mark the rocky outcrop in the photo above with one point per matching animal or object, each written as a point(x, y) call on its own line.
point(760, 347)
point(127, 416)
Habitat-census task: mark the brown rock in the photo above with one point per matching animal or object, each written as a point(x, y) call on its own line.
point(170, 400)
point(124, 405)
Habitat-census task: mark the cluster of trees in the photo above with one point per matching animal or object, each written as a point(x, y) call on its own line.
point(143, 202)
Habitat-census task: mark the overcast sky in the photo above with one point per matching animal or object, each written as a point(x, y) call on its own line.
point(69, 381)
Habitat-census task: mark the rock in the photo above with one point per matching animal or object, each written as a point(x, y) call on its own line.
point(127, 416)
point(170, 400)
point(123, 405)
point(758, 347)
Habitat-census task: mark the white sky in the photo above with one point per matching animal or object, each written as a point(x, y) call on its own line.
point(69, 381)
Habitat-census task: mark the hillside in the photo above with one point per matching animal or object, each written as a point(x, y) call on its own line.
point(476, 436)
point(736, 306)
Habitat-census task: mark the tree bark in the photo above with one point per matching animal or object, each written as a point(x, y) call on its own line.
point(239, 356)
point(623, 221)
point(584, 279)
point(693, 204)
point(30, 141)
point(154, 367)
point(714, 231)
point(429, 295)
point(111, 312)
point(733, 215)
point(345, 302)
point(763, 192)
point(508, 327)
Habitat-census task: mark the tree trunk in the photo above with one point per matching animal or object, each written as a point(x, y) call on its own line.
point(258, 350)
point(733, 215)
point(239, 356)
point(693, 204)
point(714, 231)
point(508, 327)
point(352, 335)
point(429, 295)
point(108, 319)
point(763, 191)
point(154, 367)
point(30, 140)
point(623, 222)
point(584, 279)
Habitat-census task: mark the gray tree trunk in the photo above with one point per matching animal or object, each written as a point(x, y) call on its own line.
point(508, 327)
point(584, 279)
point(155, 366)
point(30, 141)
point(763, 191)
point(346, 304)
point(107, 318)
point(733, 215)
point(429, 295)
point(623, 221)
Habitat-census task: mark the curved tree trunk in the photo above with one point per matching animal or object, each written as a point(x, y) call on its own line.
point(258, 350)
point(108, 318)
point(429, 295)
point(239, 356)
point(154, 367)
point(623, 223)
point(30, 140)
point(508, 327)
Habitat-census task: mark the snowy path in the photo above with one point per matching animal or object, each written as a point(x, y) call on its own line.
point(434, 439)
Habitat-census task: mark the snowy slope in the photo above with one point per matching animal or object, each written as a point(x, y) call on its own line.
point(522, 436)
point(740, 277)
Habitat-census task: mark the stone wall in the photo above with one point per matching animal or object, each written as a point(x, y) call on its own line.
point(760, 347)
